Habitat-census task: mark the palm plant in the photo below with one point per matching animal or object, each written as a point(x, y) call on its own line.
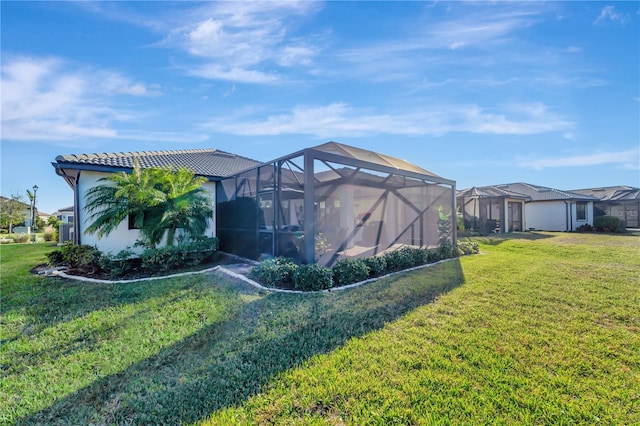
point(160, 202)
point(186, 208)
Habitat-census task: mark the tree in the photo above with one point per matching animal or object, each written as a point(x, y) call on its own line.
point(161, 202)
point(53, 221)
point(12, 212)
point(186, 207)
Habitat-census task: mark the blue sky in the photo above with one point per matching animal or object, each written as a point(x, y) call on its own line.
point(479, 92)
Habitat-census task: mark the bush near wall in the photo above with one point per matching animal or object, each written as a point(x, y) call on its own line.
point(89, 260)
point(278, 272)
point(82, 258)
point(377, 265)
point(275, 271)
point(608, 224)
point(175, 257)
point(347, 271)
point(312, 277)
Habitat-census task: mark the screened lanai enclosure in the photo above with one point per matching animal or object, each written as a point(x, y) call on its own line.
point(333, 201)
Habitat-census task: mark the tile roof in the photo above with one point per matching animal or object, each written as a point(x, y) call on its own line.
point(204, 162)
point(612, 193)
point(534, 192)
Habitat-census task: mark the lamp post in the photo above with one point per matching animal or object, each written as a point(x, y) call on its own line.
point(33, 208)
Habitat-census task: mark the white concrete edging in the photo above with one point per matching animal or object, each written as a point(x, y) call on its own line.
point(332, 289)
point(245, 279)
point(97, 281)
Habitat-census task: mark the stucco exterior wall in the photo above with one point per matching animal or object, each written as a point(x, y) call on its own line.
point(122, 237)
point(555, 216)
point(546, 216)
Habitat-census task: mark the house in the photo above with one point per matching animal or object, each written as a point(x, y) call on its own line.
point(83, 171)
point(523, 206)
point(44, 216)
point(352, 202)
point(65, 214)
point(619, 201)
point(483, 209)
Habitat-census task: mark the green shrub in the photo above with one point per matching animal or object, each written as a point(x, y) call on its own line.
point(175, 257)
point(312, 277)
point(49, 234)
point(420, 256)
point(377, 265)
point(433, 255)
point(468, 247)
point(80, 257)
point(120, 264)
point(606, 223)
point(584, 228)
point(55, 258)
point(21, 238)
point(347, 271)
point(400, 259)
point(271, 272)
point(205, 249)
point(162, 259)
point(447, 251)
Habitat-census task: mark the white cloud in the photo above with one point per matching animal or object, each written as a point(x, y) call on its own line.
point(235, 74)
point(608, 13)
point(340, 119)
point(626, 159)
point(48, 100)
point(238, 41)
point(478, 29)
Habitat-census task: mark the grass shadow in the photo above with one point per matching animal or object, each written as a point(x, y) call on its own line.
point(48, 301)
point(225, 363)
point(496, 239)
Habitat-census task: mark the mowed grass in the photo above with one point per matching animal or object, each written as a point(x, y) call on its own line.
point(169, 351)
point(544, 331)
point(539, 329)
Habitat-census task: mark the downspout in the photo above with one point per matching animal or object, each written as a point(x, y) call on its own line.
point(76, 211)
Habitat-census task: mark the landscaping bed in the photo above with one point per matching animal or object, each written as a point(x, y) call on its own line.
point(283, 273)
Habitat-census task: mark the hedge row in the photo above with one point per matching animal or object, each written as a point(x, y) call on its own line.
point(89, 260)
point(284, 273)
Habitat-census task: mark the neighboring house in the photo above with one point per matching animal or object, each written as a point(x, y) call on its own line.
point(66, 230)
point(65, 214)
point(619, 201)
point(523, 206)
point(353, 202)
point(44, 216)
point(485, 209)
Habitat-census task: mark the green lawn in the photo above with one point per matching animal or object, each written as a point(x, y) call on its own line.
point(539, 329)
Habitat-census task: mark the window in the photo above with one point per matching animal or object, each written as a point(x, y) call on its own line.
point(132, 222)
point(581, 211)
